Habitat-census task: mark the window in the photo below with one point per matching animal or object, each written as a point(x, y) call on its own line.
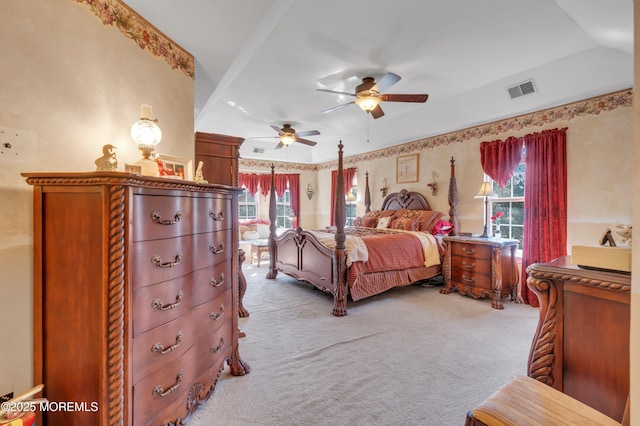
point(247, 206)
point(510, 201)
point(350, 205)
point(284, 214)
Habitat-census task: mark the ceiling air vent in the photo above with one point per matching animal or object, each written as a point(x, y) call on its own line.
point(521, 89)
point(258, 150)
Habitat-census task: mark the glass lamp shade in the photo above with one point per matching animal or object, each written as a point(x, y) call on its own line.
point(287, 139)
point(368, 103)
point(147, 135)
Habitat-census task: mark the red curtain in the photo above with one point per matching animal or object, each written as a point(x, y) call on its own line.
point(499, 159)
point(249, 181)
point(545, 205)
point(265, 183)
point(348, 184)
point(294, 191)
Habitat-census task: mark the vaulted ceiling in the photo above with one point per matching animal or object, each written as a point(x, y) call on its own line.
point(259, 64)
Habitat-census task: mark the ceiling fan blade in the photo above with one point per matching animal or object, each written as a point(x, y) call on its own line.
point(377, 112)
point(306, 142)
point(280, 145)
point(333, 91)
point(387, 80)
point(276, 128)
point(309, 133)
point(420, 98)
point(338, 107)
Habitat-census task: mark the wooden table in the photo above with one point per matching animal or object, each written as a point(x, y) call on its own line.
point(258, 248)
point(481, 267)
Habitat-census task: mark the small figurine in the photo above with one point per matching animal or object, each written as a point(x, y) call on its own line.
point(108, 162)
point(198, 178)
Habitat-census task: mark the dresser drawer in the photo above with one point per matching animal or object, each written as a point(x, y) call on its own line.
point(214, 348)
point(209, 282)
point(476, 251)
point(160, 217)
point(471, 279)
point(160, 303)
point(213, 213)
point(163, 344)
point(471, 264)
point(161, 260)
point(213, 248)
point(162, 396)
point(209, 317)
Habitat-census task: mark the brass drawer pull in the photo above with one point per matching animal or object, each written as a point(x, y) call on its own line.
point(218, 348)
point(215, 283)
point(215, 316)
point(465, 251)
point(157, 261)
point(157, 218)
point(469, 280)
point(159, 306)
point(216, 250)
point(159, 392)
point(468, 266)
point(159, 348)
point(217, 217)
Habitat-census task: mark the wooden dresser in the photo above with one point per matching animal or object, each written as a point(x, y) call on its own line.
point(481, 267)
point(135, 295)
point(581, 345)
point(220, 156)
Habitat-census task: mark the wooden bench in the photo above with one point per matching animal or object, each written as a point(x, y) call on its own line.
point(526, 401)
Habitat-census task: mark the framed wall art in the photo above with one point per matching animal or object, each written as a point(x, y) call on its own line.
point(407, 168)
point(174, 167)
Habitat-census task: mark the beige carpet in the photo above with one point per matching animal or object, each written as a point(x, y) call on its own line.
point(411, 356)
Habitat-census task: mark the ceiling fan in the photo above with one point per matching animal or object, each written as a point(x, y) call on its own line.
point(288, 135)
point(370, 93)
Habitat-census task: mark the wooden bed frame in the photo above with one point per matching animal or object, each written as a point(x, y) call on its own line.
point(299, 254)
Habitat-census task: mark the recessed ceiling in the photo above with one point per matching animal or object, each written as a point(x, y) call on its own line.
point(260, 64)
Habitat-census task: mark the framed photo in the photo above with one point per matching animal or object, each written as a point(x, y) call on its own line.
point(132, 168)
point(407, 168)
point(174, 167)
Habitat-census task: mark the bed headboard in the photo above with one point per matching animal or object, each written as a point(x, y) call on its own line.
point(405, 200)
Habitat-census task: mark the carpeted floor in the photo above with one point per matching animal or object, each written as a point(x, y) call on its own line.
point(410, 356)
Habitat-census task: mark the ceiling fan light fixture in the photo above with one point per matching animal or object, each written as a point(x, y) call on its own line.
point(368, 103)
point(287, 139)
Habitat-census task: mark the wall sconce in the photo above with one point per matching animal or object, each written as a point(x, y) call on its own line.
point(433, 185)
point(147, 135)
point(310, 191)
point(384, 188)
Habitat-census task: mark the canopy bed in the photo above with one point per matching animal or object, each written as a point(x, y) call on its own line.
point(364, 260)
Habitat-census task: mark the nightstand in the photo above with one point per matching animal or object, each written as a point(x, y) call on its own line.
point(481, 267)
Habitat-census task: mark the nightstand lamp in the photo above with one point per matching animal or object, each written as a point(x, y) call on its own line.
point(486, 192)
point(147, 135)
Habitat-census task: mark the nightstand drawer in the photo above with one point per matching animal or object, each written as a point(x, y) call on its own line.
point(471, 279)
point(475, 251)
point(470, 264)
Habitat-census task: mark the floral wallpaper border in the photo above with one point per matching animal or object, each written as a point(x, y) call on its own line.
point(142, 32)
point(591, 106)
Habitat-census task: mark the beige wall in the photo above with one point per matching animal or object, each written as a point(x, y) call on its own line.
point(599, 164)
point(70, 86)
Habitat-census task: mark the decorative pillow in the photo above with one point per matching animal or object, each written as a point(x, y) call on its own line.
point(263, 230)
point(370, 222)
point(427, 218)
point(406, 224)
point(384, 222)
point(388, 213)
point(251, 235)
point(358, 221)
point(442, 227)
